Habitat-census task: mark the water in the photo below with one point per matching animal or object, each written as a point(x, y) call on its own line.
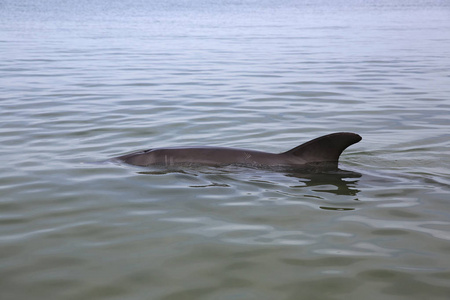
point(82, 82)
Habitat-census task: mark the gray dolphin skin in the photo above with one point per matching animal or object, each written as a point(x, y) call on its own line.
point(324, 150)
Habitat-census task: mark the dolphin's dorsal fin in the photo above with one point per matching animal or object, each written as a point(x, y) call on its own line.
point(326, 148)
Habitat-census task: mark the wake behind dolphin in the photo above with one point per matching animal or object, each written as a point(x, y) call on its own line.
point(322, 151)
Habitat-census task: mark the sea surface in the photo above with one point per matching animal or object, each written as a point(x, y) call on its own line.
point(84, 81)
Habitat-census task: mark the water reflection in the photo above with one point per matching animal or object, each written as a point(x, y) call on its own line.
point(345, 181)
point(334, 181)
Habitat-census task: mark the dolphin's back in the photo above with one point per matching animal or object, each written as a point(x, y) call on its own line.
point(325, 149)
point(212, 156)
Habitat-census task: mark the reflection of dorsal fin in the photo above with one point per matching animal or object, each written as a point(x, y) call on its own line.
point(326, 148)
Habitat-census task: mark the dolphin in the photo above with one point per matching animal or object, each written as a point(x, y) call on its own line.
point(322, 151)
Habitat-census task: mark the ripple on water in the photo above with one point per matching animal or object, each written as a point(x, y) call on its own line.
point(266, 77)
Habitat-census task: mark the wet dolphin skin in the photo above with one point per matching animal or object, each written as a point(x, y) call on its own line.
point(322, 150)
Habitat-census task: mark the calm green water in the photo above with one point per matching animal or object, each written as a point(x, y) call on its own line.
point(83, 82)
